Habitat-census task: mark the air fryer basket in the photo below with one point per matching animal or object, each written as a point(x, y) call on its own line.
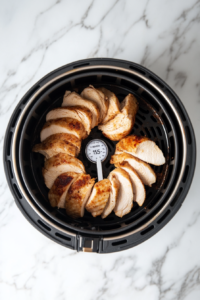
point(161, 117)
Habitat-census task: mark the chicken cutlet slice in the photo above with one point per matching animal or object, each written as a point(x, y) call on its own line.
point(61, 185)
point(80, 113)
point(73, 99)
point(145, 172)
point(138, 186)
point(125, 197)
point(115, 185)
point(122, 124)
point(99, 197)
point(59, 164)
point(113, 104)
point(97, 97)
point(143, 148)
point(54, 145)
point(69, 138)
point(78, 195)
point(63, 125)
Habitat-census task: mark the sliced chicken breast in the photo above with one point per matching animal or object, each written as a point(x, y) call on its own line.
point(64, 125)
point(113, 105)
point(99, 197)
point(124, 202)
point(143, 148)
point(138, 186)
point(80, 113)
point(78, 195)
point(72, 139)
point(123, 123)
point(115, 185)
point(59, 164)
point(61, 185)
point(73, 99)
point(99, 98)
point(54, 145)
point(145, 172)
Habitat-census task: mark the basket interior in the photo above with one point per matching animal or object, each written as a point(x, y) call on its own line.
point(152, 120)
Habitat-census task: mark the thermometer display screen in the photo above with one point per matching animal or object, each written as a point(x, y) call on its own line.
point(96, 150)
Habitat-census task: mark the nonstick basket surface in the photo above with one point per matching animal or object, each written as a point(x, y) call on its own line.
point(155, 119)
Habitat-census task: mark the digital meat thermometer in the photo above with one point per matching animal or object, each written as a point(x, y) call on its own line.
point(97, 151)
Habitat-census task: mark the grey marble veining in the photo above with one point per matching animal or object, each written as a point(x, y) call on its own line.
point(39, 36)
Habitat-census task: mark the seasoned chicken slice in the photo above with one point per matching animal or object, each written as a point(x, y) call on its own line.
point(54, 145)
point(73, 99)
point(121, 125)
point(61, 185)
point(99, 98)
point(124, 202)
point(115, 185)
point(78, 195)
point(99, 197)
point(145, 172)
point(59, 164)
point(80, 113)
point(64, 125)
point(141, 147)
point(70, 138)
point(113, 105)
point(138, 186)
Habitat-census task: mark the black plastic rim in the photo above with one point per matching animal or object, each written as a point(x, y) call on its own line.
point(153, 107)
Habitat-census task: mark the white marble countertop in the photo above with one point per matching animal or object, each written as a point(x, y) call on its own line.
point(39, 36)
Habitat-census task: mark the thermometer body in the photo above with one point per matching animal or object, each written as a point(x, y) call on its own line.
point(97, 151)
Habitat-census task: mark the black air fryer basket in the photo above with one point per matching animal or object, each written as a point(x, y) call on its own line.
point(161, 117)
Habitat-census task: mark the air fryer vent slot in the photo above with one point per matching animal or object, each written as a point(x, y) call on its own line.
point(185, 174)
point(188, 135)
point(138, 121)
point(44, 225)
point(147, 230)
point(153, 131)
point(63, 237)
point(163, 217)
point(119, 243)
point(141, 116)
point(147, 132)
point(9, 143)
point(10, 169)
point(159, 131)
